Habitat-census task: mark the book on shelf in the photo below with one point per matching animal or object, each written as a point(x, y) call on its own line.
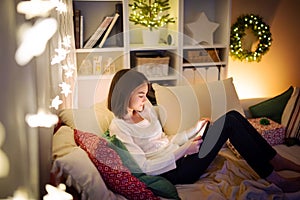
point(81, 32)
point(115, 18)
point(77, 27)
point(99, 32)
point(119, 25)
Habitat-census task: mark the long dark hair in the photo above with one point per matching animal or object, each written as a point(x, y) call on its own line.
point(122, 85)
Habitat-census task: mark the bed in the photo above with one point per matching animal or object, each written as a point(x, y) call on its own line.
point(228, 177)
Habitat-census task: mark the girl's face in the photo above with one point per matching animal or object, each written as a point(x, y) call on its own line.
point(138, 97)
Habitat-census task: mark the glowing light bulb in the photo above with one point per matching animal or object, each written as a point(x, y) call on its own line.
point(41, 119)
point(34, 39)
point(35, 8)
point(57, 193)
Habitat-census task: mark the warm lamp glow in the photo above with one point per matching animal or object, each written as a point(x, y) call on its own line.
point(245, 82)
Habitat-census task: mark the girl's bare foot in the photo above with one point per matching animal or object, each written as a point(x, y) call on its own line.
point(286, 184)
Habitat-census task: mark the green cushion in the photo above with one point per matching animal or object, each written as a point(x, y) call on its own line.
point(273, 107)
point(157, 184)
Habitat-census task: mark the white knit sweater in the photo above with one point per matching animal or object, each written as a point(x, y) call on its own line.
point(147, 143)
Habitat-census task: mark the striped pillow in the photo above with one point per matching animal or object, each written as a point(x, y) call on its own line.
point(291, 115)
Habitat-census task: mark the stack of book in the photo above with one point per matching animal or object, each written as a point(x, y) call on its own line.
point(100, 35)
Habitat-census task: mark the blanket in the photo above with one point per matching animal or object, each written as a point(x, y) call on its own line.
point(229, 177)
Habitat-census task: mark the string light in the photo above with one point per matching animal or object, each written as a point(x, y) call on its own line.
point(33, 41)
point(41, 119)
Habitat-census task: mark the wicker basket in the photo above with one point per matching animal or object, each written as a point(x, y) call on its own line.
point(153, 66)
point(202, 55)
point(153, 60)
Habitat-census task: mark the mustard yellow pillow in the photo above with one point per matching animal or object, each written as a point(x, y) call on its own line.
point(94, 120)
point(63, 142)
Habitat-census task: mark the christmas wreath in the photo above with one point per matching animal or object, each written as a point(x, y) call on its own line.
point(260, 30)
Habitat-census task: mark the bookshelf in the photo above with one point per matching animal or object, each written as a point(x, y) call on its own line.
point(179, 48)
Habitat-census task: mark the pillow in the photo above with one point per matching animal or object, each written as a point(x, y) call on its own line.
point(157, 184)
point(103, 115)
point(180, 107)
point(82, 175)
point(63, 142)
point(116, 176)
point(273, 107)
point(222, 96)
point(291, 115)
point(82, 119)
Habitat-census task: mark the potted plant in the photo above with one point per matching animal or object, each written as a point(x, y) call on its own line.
point(151, 14)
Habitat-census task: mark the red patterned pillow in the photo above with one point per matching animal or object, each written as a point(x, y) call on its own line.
point(116, 176)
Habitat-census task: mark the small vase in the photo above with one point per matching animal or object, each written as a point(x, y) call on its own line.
point(151, 37)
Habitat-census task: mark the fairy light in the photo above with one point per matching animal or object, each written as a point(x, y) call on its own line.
point(35, 8)
point(41, 119)
point(33, 40)
point(151, 15)
point(65, 88)
point(4, 167)
point(56, 102)
point(57, 193)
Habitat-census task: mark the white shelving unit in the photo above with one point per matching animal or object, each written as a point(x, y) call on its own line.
point(93, 88)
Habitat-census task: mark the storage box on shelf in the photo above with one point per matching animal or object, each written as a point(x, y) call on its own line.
point(153, 67)
point(203, 55)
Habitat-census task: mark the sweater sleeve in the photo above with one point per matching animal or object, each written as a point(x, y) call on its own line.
point(179, 138)
point(159, 163)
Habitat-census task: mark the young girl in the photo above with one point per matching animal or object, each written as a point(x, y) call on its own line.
point(176, 158)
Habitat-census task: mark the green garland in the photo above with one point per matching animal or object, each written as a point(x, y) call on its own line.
point(259, 28)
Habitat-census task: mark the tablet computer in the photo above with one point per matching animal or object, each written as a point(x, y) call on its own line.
point(203, 129)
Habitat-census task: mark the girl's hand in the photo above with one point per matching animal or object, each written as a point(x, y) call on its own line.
point(198, 126)
point(194, 147)
point(190, 147)
point(199, 137)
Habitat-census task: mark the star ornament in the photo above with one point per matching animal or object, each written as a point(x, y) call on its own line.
point(202, 29)
point(56, 102)
point(65, 88)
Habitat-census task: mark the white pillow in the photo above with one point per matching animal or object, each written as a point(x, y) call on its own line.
point(82, 174)
point(223, 98)
point(177, 107)
point(182, 106)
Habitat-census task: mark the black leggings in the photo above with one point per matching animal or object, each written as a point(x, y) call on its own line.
point(243, 136)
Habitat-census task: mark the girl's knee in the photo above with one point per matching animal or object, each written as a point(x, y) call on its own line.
point(234, 113)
